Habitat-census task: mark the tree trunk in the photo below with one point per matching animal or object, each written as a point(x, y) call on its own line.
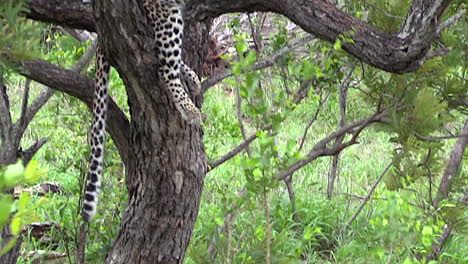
point(166, 161)
point(11, 256)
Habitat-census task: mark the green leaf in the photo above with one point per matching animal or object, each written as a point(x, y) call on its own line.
point(427, 231)
point(257, 173)
point(427, 236)
point(251, 163)
point(6, 203)
point(308, 233)
point(32, 173)
point(250, 59)
point(243, 92)
point(14, 174)
point(337, 44)
point(15, 225)
point(236, 69)
point(241, 46)
point(266, 141)
point(219, 221)
point(307, 70)
point(23, 201)
point(260, 232)
point(318, 72)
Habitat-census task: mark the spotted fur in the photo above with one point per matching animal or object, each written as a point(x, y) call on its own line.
point(96, 141)
point(165, 17)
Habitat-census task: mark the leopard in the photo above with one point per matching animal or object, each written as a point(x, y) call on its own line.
point(166, 20)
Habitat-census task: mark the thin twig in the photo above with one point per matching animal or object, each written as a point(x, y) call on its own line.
point(459, 76)
point(268, 227)
point(449, 21)
point(359, 197)
point(343, 100)
point(371, 191)
point(241, 121)
point(233, 152)
point(437, 53)
point(437, 138)
point(320, 148)
point(314, 118)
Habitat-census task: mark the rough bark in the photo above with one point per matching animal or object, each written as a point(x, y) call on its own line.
point(399, 52)
point(167, 163)
point(69, 13)
point(11, 256)
point(453, 166)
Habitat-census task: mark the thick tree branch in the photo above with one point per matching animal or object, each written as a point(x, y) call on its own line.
point(400, 52)
point(68, 13)
point(81, 87)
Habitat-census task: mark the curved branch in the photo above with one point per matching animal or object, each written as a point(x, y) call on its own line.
point(400, 52)
point(81, 87)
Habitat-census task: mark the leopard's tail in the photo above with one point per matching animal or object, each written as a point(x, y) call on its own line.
point(96, 141)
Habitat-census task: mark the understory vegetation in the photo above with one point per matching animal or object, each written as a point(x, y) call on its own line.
point(313, 113)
